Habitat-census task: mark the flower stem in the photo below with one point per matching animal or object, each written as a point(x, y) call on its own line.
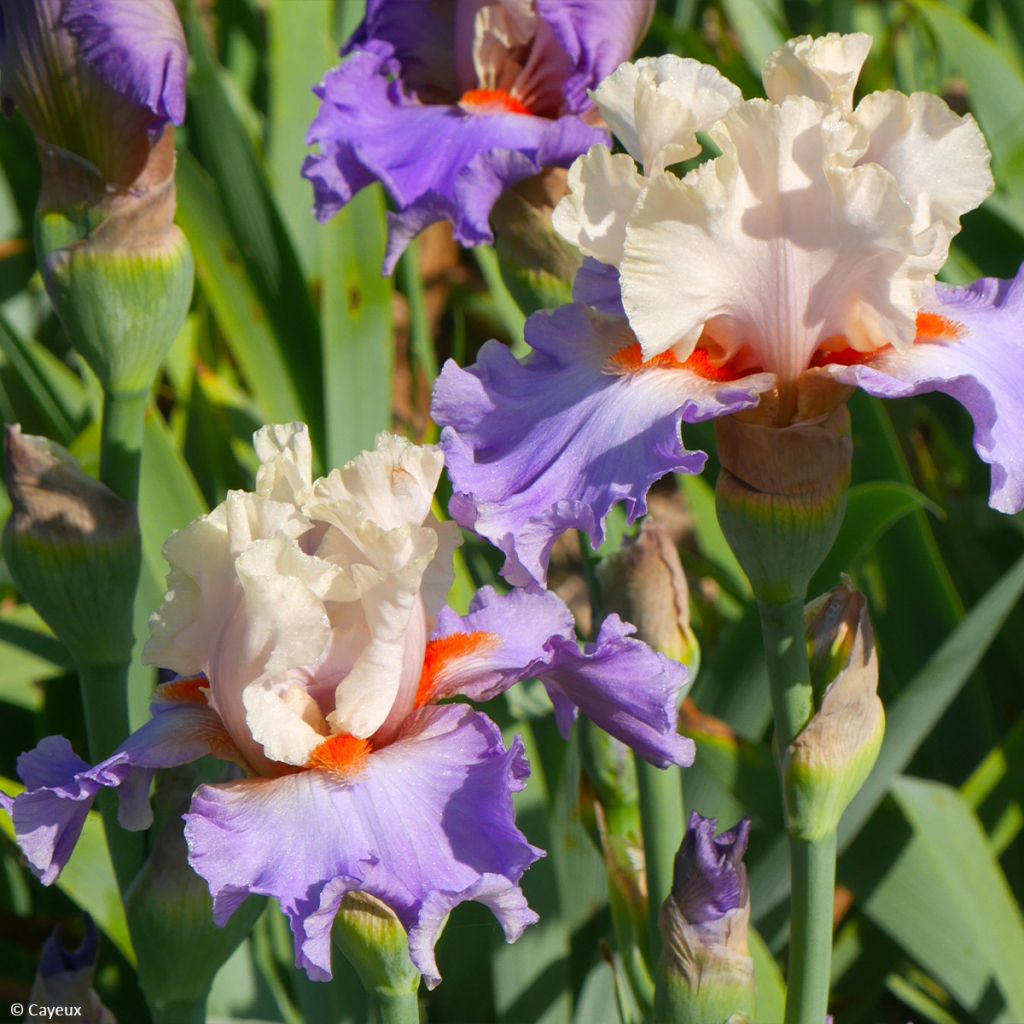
point(104, 697)
point(124, 416)
point(390, 1007)
point(661, 810)
point(812, 864)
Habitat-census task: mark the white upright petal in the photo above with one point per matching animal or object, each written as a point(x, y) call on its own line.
point(774, 247)
point(603, 189)
point(286, 457)
point(939, 160)
point(656, 106)
point(825, 69)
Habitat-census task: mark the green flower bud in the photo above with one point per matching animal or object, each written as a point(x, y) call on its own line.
point(781, 497)
point(827, 763)
point(73, 549)
point(374, 942)
point(537, 265)
point(169, 909)
point(644, 582)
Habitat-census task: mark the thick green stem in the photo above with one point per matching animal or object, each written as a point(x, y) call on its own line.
point(104, 697)
point(124, 416)
point(661, 810)
point(812, 864)
point(394, 1007)
point(813, 869)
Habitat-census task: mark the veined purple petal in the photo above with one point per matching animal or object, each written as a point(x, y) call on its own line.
point(710, 879)
point(621, 684)
point(426, 824)
point(60, 787)
point(598, 36)
point(437, 161)
point(137, 47)
point(981, 365)
point(539, 447)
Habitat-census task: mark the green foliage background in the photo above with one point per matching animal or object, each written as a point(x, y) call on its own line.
point(291, 320)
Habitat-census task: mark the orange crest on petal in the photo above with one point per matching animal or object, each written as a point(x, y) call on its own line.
point(933, 327)
point(342, 755)
point(492, 101)
point(440, 655)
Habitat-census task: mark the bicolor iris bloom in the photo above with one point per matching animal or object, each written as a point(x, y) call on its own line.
point(448, 103)
point(98, 78)
point(797, 263)
point(308, 627)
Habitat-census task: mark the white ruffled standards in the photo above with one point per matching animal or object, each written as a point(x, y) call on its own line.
point(308, 604)
point(819, 228)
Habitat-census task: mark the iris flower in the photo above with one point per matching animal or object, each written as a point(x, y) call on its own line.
point(307, 624)
point(798, 262)
point(450, 102)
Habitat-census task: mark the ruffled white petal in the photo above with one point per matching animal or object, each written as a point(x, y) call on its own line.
point(286, 457)
point(825, 69)
point(939, 160)
point(774, 247)
point(603, 189)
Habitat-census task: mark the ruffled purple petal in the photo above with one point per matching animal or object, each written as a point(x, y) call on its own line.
point(438, 162)
point(137, 47)
point(597, 284)
point(621, 684)
point(549, 444)
point(421, 37)
point(982, 368)
point(425, 825)
point(60, 787)
point(598, 36)
point(710, 879)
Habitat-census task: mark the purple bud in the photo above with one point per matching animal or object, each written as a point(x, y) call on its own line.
point(710, 878)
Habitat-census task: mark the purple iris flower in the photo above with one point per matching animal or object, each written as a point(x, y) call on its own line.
point(450, 102)
point(309, 617)
point(710, 879)
point(798, 263)
point(99, 78)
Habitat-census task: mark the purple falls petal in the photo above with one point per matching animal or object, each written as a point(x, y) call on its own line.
point(710, 879)
point(597, 284)
point(425, 825)
point(437, 161)
point(983, 369)
point(621, 684)
point(60, 787)
point(552, 443)
point(597, 36)
point(137, 47)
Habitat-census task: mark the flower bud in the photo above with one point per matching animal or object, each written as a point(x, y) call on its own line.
point(374, 942)
point(169, 908)
point(73, 549)
point(644, 582)
point(537, 265)
point(827, 763)
point(97, 79)
point(706, 974)
point(64, 979)
point(781, 496)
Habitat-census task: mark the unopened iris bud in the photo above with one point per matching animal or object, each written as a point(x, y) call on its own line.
point(706, 974)
point(63, 981)
point(101, 83)
point(374, 942)
point(72, 547)
point(169, 909)
point(829, 760)
point(644, 582)
point(781, 496)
